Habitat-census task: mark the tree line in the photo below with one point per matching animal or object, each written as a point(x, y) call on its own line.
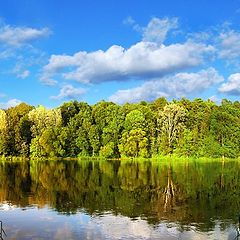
point(184, 128)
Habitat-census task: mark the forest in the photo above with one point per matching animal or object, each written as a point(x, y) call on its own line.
point(189, 128)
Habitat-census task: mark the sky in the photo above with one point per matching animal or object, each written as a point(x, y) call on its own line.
point(121, 51)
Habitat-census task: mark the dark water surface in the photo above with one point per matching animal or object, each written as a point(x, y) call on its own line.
point(119, 200)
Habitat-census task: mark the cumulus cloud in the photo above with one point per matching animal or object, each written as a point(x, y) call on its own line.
point(19, 36)
point(143, 60)
point(10, 103)
point(178, 85)
point(229, 44)
point(69, 92)
point(59, 62)
point(232, 86)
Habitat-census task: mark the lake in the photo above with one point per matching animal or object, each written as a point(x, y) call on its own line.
point(120, 200)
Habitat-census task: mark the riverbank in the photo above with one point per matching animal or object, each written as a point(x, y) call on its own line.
point(161, 158)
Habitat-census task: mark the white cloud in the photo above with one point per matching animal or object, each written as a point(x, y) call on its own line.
point(147, 91)
point(5, 54)
point(18, 36)
point(229, 44)
point(157, 29)
point(70, 92)
point(144, 60)
point(24, 74)
point(59, 62)
point(16, 49)
point(129, 21)
point(214, 99)
point(48, 81)
point(178, 85)
point(10, 103)
point(19, 70)
point(232, 86)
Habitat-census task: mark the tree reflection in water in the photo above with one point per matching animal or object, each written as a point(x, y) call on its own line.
point(187, 194)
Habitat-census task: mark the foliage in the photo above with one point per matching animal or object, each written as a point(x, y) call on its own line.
point(195, 128)
point(170, 124)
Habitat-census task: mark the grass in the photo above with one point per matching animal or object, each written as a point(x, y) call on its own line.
point(160, 159)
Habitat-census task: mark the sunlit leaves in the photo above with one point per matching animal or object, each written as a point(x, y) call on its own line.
point(185, 128)
point(43, 118)
point(171, 123)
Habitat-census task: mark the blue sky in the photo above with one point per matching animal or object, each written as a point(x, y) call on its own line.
point(121, 51)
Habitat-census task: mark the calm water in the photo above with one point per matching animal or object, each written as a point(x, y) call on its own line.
point(119, 200)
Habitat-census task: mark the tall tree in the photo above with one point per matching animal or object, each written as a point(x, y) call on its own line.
point(171, 123)
point(43, 123)
point(3, 132)
point(16, 130)
point(109, 124)
point(134, 141)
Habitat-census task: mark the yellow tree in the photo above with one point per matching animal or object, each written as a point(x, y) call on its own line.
point(45, 123)
point(3, 130)
point(42, 118)
point(170, 123)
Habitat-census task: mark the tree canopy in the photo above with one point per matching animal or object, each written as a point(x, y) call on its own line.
point(183, 127)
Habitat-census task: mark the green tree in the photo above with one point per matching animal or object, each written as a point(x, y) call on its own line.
point(16, 130)
point(171, 123)
point(224, 126)
point(134, 141)
point(69, 110)
point(198, 122)
point(109, 124)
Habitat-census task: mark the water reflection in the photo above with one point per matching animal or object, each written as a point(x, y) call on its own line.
point(114, 200)
point(46, 224)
